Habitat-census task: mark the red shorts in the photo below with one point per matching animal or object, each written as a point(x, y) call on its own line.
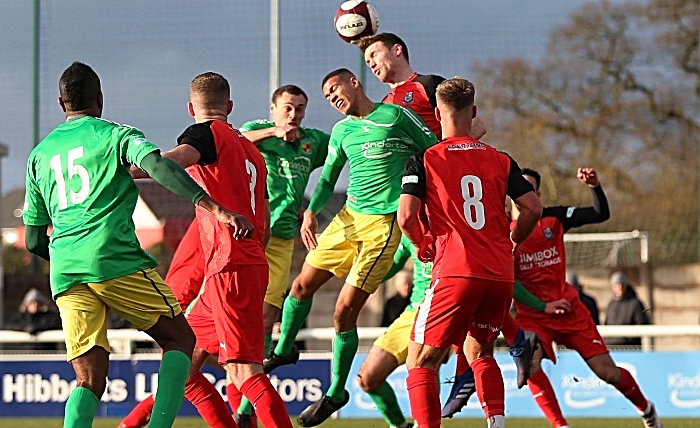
point(575, 330)
point(227, 319)
point(454, 307)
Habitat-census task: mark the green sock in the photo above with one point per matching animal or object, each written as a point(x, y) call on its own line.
point(80, 408)
point(344, 350)
point(245, 407)
point(294, 314)
point(387, 404)
point(172, 375)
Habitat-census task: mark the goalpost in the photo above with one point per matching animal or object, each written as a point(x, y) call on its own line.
point(613, 249)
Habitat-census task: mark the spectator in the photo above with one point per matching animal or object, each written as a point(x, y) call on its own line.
point(624, 309)
point(572, 278)
point(403, 282)
point(34, 317)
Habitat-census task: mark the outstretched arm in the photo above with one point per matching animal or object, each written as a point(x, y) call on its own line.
point(598, 213)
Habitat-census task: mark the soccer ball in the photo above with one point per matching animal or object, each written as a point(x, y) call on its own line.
point(356, 19)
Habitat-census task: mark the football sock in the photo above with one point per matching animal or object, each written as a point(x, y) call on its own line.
point(629, 388)
point(462, 363)
point(294, 314)
point(344, 350)
point(267, 402)
point(489, 386)
point(208, 402)
point(511, 332)
point(387, 404)
point(245, 407)
point(543, 393)
point(236, 400)
point(139, 415)
point(80, 408)
point(423, 396)
point(172, 375)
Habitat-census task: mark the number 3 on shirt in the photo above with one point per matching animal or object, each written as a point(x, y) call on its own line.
point(250, 168)
point(73, 169)
point(472, 198)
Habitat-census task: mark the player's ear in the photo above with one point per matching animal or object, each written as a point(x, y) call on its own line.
point(437, 114)
point(229, 107)
point(100, 100)
point(473, 111)
point(398, 50)
point(272, 109)
point(190, 109)
point(62, 104)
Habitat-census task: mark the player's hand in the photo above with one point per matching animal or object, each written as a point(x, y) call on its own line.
point(425, 250)
point(308, 230)
point(588, 176)
point(558, 307)
point(242, 228)
point(288, 133)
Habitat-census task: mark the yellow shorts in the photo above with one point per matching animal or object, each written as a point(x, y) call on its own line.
point(279, 254)
point(361, 246)
point(141, 298)
point(395, 339)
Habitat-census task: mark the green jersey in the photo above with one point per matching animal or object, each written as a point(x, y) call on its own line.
point(377, 147)
point(422, 272)
point(288, 168)
point(78, 180)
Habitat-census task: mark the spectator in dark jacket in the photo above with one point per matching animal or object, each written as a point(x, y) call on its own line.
point(34, 317)
point(587, 300)
point(624, 309)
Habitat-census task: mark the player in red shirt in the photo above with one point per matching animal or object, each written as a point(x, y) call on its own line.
point(463, 184)
point(386, 54)
point(540, 264)
point(229, 310)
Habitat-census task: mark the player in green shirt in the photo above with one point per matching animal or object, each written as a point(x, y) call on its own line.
point(375, 140)
point(291, 153)
point(78, 181)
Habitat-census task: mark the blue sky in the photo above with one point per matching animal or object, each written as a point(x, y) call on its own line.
point(146, 53)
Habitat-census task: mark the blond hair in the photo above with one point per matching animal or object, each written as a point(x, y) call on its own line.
point(456, 94)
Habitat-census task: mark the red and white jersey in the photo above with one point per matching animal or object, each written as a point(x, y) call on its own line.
point(463, 183)
point(233, 172)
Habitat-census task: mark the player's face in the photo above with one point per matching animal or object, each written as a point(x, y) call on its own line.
point(381, 59)
point(340, 92)
point(288, 109)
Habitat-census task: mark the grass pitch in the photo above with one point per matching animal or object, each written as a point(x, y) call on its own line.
point(377, 423)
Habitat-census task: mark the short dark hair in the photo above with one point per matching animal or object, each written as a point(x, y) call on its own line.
point(338, 72)
point(288, 89)
point(212, 88)
point(79, 86)
point(534, 174)
point(456, 93)
point(388, 39)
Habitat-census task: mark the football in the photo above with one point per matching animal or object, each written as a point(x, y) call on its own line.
point(356, 19)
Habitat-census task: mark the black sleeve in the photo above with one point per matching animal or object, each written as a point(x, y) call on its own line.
point(413, 181)
point(201, 138)
point(517, 184)
point(430, 82)
point(576, 217)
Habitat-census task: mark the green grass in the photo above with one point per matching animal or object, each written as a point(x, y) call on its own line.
point(377, 423)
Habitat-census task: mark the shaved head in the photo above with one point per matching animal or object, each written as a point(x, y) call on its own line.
point(210, 90)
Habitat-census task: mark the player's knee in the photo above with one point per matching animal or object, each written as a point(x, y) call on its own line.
point(345, 317)
point(95, 384)
point(367, 381)
point(300, 291)
point(610, 374)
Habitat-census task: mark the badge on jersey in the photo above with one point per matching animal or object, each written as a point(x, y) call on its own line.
point(548, 234)
point(408, 98)
point(306, 147)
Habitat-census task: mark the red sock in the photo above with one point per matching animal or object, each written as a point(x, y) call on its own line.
point(234, 402)
point(489, 386)
point(208, 402)
point(140, 414)
point(424, 397)
point(462, 363)
point(629, 388)
point(266, 401)
point(543, 393)
point(509, 329)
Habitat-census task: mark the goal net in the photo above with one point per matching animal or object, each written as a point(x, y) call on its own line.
point(613, 250)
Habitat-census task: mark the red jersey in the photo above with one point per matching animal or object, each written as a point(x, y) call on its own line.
point(540, 263)
point(231, 170)
point(186, 274)
point(418, 94)
point(463, 184)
